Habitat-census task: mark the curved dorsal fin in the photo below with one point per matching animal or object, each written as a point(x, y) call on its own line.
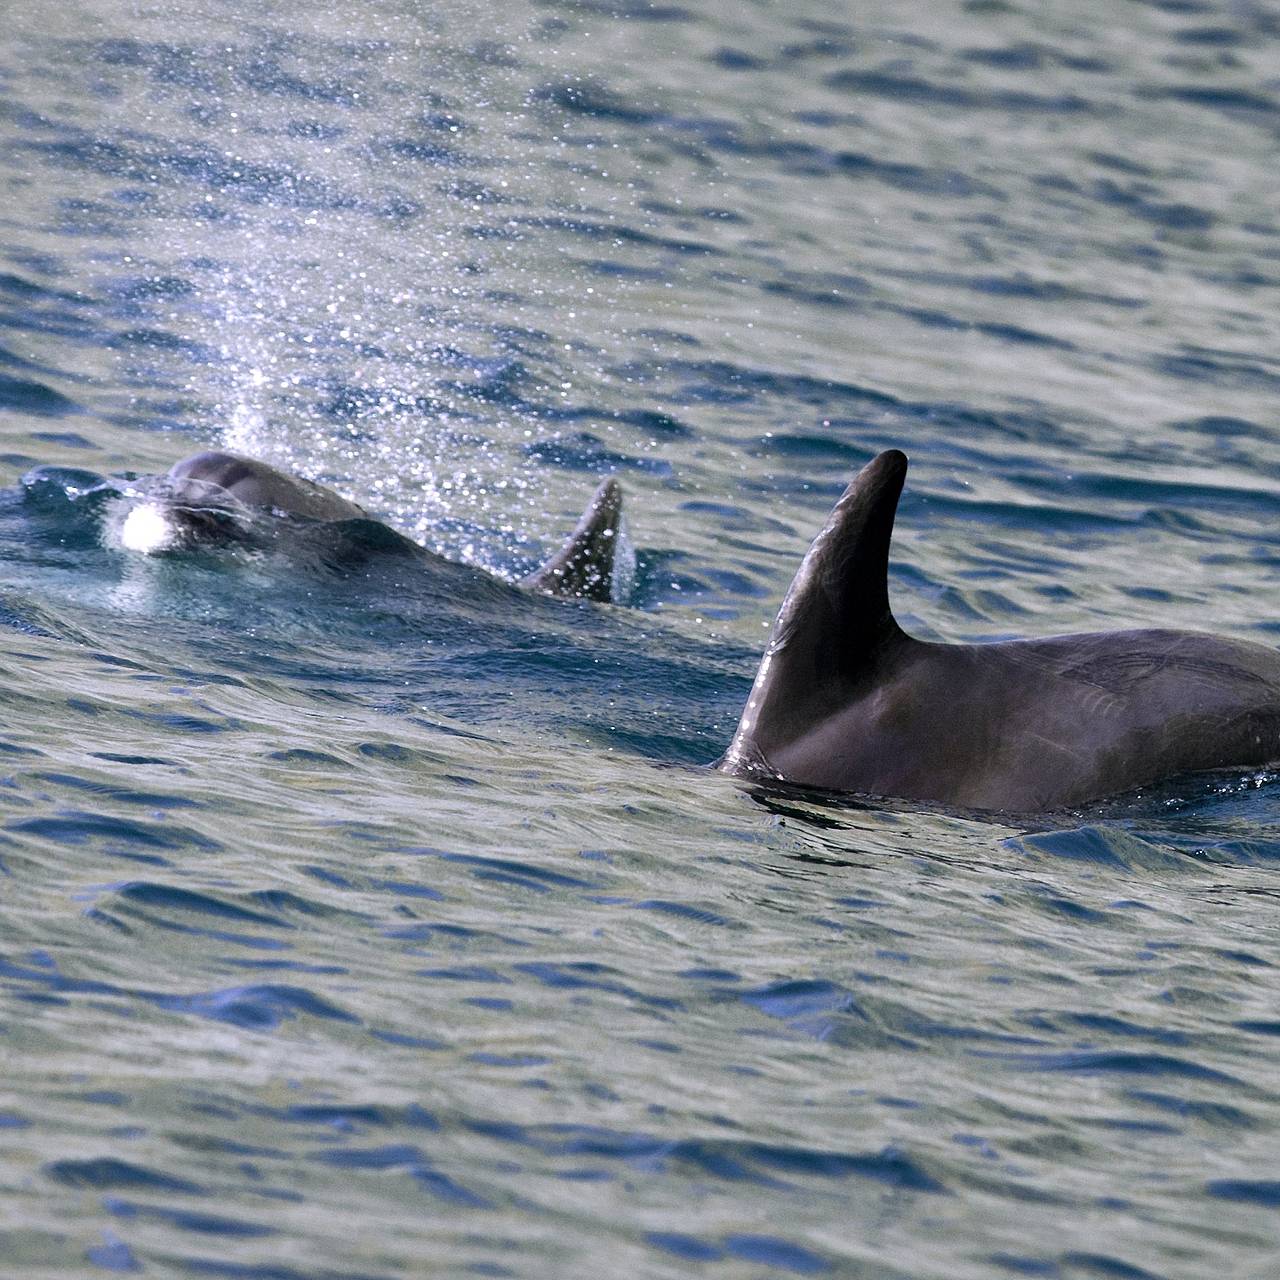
point(839, 598)
point(584, 566)
point(835, 620)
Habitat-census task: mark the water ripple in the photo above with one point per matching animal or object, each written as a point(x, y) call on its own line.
point(346, 884)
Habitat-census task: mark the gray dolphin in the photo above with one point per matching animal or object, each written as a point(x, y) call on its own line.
point(211, 495)
point(844, 699)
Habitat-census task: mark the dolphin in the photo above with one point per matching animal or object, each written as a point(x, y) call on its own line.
point(216, 496)
point(845, 700)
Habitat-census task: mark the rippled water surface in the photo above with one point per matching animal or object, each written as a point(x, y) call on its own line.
point(364, 919)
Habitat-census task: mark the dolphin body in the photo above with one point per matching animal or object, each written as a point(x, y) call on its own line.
point(215, 495)
point(845, 700)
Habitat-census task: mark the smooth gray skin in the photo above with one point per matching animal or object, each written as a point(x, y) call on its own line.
point(207, 492)
point(845, 699)
point(218, 482)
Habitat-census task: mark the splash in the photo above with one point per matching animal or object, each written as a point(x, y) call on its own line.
point(622, 589)
point(356, 232)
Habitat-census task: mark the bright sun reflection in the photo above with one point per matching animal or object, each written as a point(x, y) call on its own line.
point(145, 529)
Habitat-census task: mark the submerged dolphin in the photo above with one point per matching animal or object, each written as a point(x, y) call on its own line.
point(213, 495)
point(844, 699)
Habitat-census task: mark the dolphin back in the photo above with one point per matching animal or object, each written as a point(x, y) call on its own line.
point(845, 700)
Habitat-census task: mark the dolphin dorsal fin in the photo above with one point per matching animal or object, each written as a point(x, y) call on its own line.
point(838, 602)
point(584, 567)
point(835, 621)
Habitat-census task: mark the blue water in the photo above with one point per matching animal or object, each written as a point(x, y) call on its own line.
point(369, 919)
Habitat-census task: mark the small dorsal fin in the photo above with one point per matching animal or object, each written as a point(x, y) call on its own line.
point(835, 619)
point(584, 567)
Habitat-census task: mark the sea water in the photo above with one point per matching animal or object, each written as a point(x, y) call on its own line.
point(361, 919)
